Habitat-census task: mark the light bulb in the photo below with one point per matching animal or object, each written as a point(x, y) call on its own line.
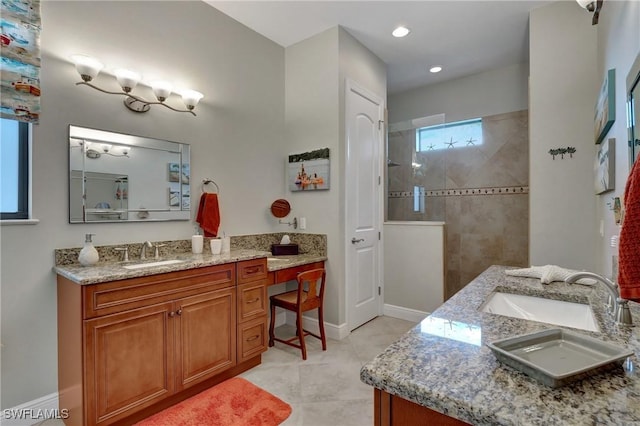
point(191, 98)
point(127, 79)
point(87, 67)
point(586, 4)
point(162, 89)
point(400, 32)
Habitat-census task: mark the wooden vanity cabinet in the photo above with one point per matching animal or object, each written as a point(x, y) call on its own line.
point(252, 308)
point(392, 410)
point(141, 344)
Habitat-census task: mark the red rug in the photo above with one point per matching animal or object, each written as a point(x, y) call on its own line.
point(234, 402)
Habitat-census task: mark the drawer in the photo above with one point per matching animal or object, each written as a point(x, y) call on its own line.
point(288, 274)
point(252, 270)
point(118, 296)
point(252, 300)
point(252, 339)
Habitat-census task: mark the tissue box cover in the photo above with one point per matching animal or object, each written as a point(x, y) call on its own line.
point(284, 249)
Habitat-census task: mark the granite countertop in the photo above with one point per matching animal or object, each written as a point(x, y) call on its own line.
point(444, 364)
point(276, 263)
point(112, 271)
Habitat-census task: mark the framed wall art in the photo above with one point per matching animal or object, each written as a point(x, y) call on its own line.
point(605, 112)
point(605, 167)
point(308, 171)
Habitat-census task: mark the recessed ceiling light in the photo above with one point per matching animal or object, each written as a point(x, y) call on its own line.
point(435, 69)
point(401, 32)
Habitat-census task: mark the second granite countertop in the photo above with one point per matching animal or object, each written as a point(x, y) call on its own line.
point(443, 363)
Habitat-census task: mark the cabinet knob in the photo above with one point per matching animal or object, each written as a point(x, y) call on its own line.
point(172, 314)
point(179, 312)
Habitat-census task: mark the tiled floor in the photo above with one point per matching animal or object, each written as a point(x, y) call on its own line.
point(324, 390)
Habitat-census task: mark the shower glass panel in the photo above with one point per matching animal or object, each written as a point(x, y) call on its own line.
point(415, 169)
point(471, 174)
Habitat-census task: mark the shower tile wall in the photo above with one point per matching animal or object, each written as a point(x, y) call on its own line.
point(482, 230)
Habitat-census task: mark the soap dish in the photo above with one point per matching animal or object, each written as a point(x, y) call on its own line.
point(556, 357)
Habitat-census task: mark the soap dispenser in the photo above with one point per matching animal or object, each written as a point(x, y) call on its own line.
point(88, 255)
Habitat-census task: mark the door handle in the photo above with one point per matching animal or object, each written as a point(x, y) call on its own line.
point(354, 241)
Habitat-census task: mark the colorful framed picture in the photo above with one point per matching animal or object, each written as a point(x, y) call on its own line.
point(605, 112)
point(308, 171)
point(174, 198)
point(174, 173)
point(605, 167)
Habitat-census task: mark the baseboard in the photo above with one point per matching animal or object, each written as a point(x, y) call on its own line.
point(33, 412)
point(335, 332)
point(406, 314)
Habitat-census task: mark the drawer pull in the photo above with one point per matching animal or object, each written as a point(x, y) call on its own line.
point(252, 270)
point(252, 338)
point(253, 300)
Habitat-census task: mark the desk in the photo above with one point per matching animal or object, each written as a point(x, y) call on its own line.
point(286, 268)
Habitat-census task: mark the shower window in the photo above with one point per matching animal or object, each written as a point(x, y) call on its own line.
point(449, 135)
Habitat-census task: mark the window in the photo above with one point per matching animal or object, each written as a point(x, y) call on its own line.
point(418, 199)
point(450, 135)
point(14, 169)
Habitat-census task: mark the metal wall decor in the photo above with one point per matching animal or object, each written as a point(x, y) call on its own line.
point(562, 152)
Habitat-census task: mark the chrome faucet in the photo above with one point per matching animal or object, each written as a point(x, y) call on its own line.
point(145, 246)
point(618, 306)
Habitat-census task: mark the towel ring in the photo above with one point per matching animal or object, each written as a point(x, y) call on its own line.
point(206, 182)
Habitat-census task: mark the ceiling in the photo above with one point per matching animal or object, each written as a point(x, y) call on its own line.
point(464, 37)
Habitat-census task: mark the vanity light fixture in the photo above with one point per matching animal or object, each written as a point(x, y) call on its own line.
point(96, 150)
point(593, 6)
point(89, 68)
point(435, 69)
point(400, 32)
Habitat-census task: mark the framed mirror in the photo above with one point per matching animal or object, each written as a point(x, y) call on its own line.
point(115, 177)
point(633, 110)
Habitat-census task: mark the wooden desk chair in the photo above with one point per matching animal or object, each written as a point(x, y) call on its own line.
point(300, 301)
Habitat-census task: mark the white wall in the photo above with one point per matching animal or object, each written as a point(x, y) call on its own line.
point(311, 117)
point(563, 84)
point(479, 95)
point(414, 265)
point(618, 46)
point(236, 139)
point(316, 69)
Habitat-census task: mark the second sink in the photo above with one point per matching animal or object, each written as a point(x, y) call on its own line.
point(152, 264)
point(568, 314)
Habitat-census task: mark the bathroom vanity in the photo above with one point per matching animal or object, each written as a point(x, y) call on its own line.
point(442, 372)
point(130, 344)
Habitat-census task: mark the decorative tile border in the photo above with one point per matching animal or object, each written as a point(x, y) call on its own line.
point(499, 190)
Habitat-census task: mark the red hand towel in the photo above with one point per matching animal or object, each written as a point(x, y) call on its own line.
point(209, 214)
point(629, 248)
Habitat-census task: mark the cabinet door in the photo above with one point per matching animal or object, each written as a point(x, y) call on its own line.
point(129, 362)
point(205, 336)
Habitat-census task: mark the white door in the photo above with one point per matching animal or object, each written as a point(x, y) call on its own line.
point(363, 190)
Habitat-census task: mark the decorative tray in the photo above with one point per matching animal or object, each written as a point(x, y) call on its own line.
point(557, 357)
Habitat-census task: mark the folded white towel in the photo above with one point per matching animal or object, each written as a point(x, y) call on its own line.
point(548, 274)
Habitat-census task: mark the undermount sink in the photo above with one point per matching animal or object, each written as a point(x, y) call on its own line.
point(568, 314)
point(152, 264)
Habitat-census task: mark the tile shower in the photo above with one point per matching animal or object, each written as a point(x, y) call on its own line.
point(480, 189)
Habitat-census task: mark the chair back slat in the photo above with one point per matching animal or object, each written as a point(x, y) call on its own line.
point(313, 296)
